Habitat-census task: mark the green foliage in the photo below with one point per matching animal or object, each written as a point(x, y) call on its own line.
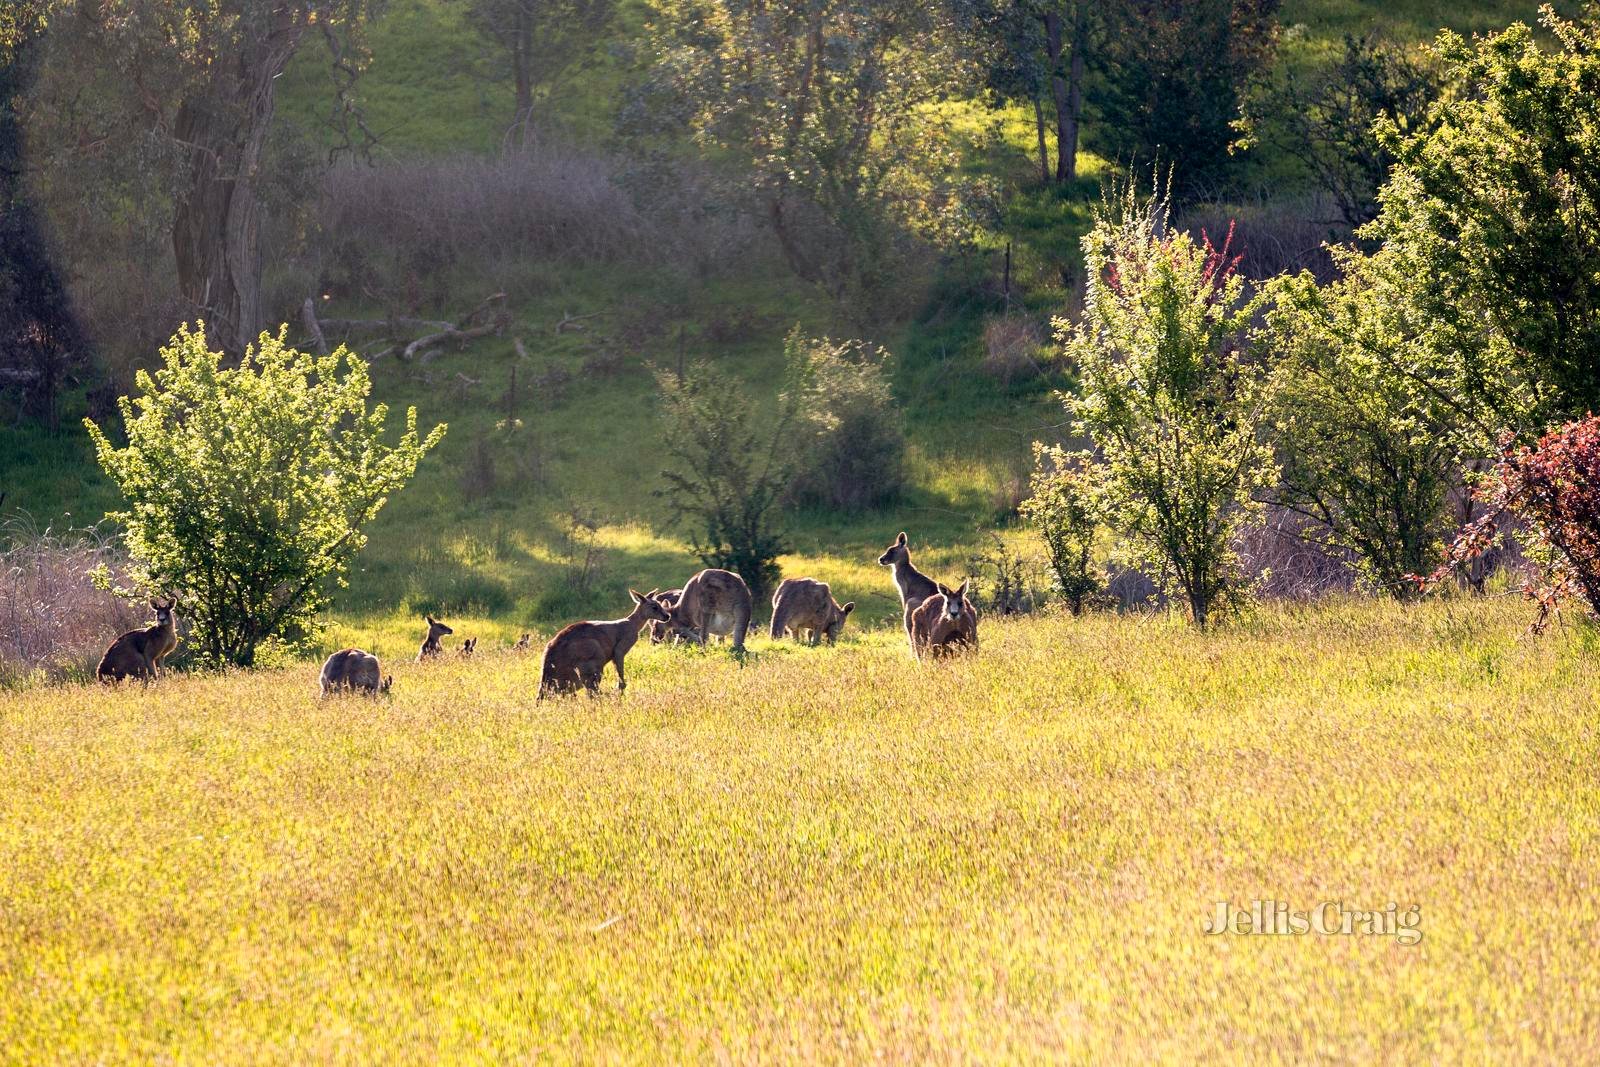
point(730, 469)
point(851, 441)
point(1327, 120)
point(537, 42)
point(1063, 508)
point(1360, 453)
point(1171, 400)
point(1174, 75)
point(248, 487)
point(1491, 222)
point(822, 102)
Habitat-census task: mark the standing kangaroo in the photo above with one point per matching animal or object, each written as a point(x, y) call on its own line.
point(805, 604)
point(713, 602)
point(914, 586)
point(430, 645)
point(578, 654)
point(138, 653)
point(944, 623)
point(353, 669)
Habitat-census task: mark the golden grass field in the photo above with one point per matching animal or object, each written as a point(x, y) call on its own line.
point(828, 854)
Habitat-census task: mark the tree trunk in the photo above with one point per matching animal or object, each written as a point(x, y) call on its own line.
point(216, 228)
point(522, 70)
point(1044, 149)
point(1066, 89)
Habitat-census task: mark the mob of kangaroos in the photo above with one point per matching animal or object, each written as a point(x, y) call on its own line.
point(938, 621)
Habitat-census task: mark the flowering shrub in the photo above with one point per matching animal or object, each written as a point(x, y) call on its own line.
point(1553, 490)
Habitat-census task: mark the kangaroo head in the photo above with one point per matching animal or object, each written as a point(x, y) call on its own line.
point(896, 553)
point(524, 641)
point(468, 647)
point(436, 629)
point(647, 608)
point(383, 686)
point(164, 611)
point(836, 619)
point(955, 600)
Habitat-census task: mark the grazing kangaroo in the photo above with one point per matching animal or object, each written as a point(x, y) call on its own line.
point(659, 630)
point(713, 602)
point(430, 645)
point(468, 647)
point(138, 653)
point(805, 604)
point(355, 670)
point(944, 623)
point(578, 654)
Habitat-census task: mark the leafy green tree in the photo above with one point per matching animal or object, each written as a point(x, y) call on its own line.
point(850, 440)
point(823, 100)
point(249, 488)
point(1329, 119)
point(185, 93)
point(537, 41)
point(1361, 453)
point(1491, 218)
point(1064, 508)
point(730, 464)
point(1171, 400)
point(1174, 73)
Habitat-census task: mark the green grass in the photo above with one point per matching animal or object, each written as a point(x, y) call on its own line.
point(828, 854)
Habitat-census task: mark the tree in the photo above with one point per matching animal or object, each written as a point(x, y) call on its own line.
point(1063, 507)
point(200, 78)
point(40, 338)
point(249, 488)
point(1490, 219)
point(1330, 120)
point(538, 41)
point(849, 440)
point(1031, 49)
point(730, 467)
point(1171, 400)
point(823, 98)
point(1361, 454)
point(1173, 75)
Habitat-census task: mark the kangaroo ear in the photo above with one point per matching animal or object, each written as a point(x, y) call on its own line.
point(155, 605)
point(430, 619)
point(901, 539)
point(849, 607)
point(652, 594)
point(635, 594)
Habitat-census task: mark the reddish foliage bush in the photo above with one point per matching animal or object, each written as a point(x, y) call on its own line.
point(1552, 491)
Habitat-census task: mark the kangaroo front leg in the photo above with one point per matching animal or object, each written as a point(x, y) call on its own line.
point(622, 678)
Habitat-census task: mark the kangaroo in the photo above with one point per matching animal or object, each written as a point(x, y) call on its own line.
point(805, 604)
point(138, 653)
point(944, 623)
point(355, 670)
point(660, 631)
point(578, 654)
point(713, 602)
point(524, 643)
point(914, 586)
point(430, 645)
point(468, 647)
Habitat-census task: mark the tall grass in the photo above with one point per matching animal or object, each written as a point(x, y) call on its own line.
point(827, 854)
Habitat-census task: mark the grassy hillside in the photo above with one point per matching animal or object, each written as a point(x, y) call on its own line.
point(829, 854)
point(494, 558)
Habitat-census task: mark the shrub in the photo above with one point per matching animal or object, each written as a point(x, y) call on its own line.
point(248, 487)
point(1062, 507)
point(1171, 399)
point(1361, 454)
point(852, 445)
point(730, 467)
point(1552, 491)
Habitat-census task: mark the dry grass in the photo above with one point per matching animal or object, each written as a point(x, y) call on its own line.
point(828, 854)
